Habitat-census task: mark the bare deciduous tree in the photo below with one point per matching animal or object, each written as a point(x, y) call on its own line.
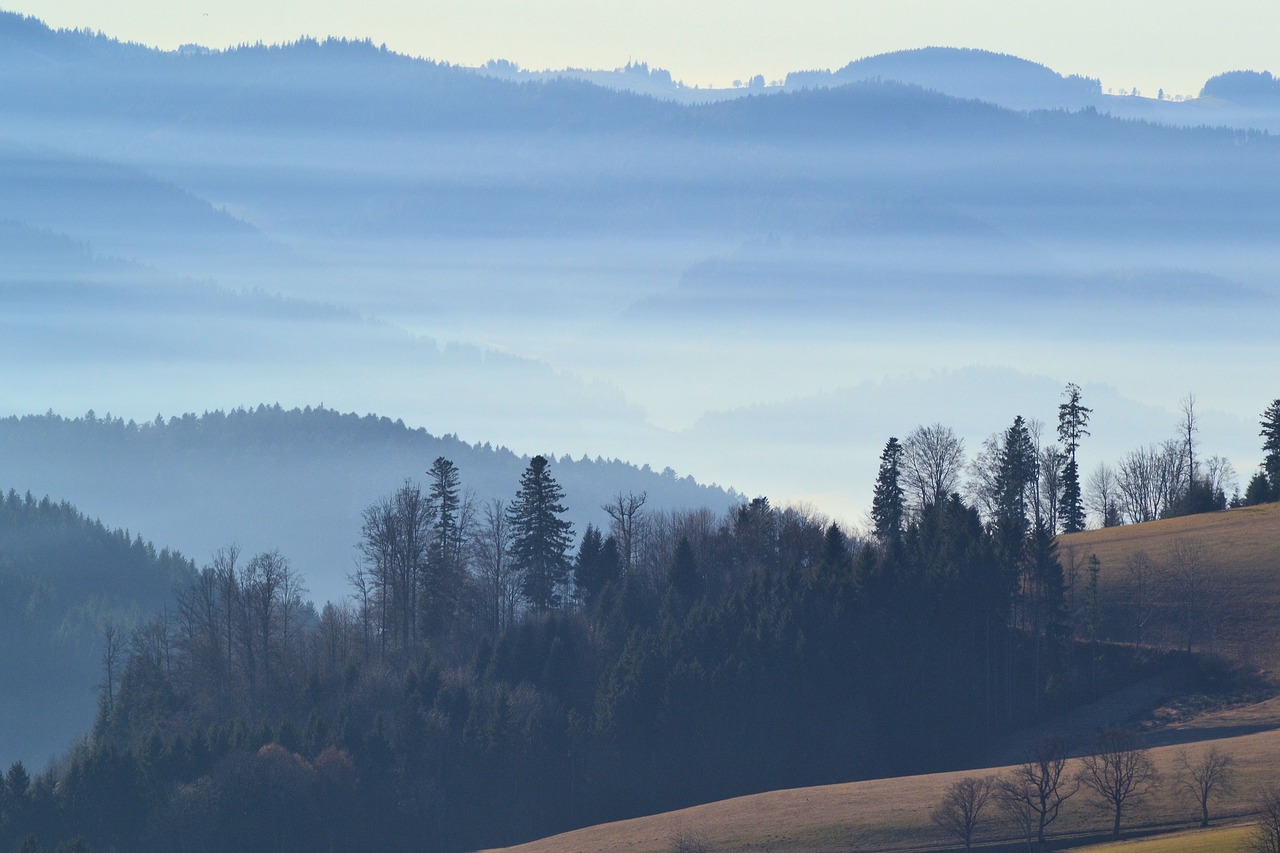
point(1141, 573)
point(112, 648)
point(961, 808)
point(1102, 495)
point(1192, 588)
point(1266, 833)
point(627, 524)
point(1210, 774)
point(491, 550)
point(932, 462)
point(1038, 789)
point(1151, 479)
point(1119, 772)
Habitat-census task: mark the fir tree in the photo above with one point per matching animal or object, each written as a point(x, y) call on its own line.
point(887, 503)
point(1271, 446)
point(1072, 420)
point(540, 537)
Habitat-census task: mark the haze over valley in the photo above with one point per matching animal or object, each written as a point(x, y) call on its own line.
point(554, 266)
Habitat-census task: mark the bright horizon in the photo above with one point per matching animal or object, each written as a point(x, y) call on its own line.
point(1174, 46)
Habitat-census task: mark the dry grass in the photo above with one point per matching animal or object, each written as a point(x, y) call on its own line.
point(893, 814)
point(1231, 839)
point(1243, 550)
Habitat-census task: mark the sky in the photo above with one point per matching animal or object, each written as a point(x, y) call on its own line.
point(1174, 45)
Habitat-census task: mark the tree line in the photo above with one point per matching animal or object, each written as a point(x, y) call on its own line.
point(485, 683)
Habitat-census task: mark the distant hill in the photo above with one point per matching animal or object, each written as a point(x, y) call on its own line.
point(966, 73)
point(1238, 600)
point(1246, 87)
point(63, 578)
point(296, 480)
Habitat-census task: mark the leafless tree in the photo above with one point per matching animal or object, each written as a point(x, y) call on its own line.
point(1187, 429)
point(961, 808)
point(1038, 789)
point(112, 649)
point(627, 524)
point(1141, 573)
point(1192, 587)
point(982, 486)
point(1049, 491)
point(153, 641)
point(1266, 833)
point(1119, 773)
point(1211, 774)
point(1220, 475)
point(1151, 480)
point(491, 552)
point(1102, 495)
point(932, 462)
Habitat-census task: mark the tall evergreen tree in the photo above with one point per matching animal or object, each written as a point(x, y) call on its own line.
point(540, 538)
point(1073, 417)
point(445, 567)
point(596, 566)
point(887, 502)
point(1271, 446)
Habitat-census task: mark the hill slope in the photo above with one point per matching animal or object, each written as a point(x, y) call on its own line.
point(297, 480)
point(1234, 554)
point(893, 814)
point(63, 577)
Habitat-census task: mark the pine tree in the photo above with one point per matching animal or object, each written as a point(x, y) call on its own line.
point(1271, 446)
point(540, 537)
point(1072, 420)
point(887, 502)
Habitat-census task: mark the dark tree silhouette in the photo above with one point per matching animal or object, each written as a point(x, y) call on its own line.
point(1039, 787)
point(887, 502)
point(1073, 417)
point(961, 808)
point(540, 537)
point(1119, 772)
point(1211, 774)
point(1271, 446)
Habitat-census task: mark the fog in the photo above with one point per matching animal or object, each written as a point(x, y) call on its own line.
point(756, 292)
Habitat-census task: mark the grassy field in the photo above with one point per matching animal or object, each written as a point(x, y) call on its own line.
point(893, 814)
point(1241, 602)
point(1230, 839)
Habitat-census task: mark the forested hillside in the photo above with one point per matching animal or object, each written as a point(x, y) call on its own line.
point(296, 480)
point(64, 581)
point(729, 654)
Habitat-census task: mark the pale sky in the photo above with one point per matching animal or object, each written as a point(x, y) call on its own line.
point(1171, 44)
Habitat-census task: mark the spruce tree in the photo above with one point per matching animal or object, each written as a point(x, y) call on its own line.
point(887, 502)
point(1271, 447)
point(445, 568)
point(1072, 420)
point(540, 537)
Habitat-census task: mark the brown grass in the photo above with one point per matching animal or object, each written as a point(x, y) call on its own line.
point(1243, 547)
point(893, 814)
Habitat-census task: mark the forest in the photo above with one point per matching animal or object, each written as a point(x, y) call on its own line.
point(486, 682)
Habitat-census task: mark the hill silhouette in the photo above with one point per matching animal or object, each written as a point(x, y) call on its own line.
point(297, 479)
